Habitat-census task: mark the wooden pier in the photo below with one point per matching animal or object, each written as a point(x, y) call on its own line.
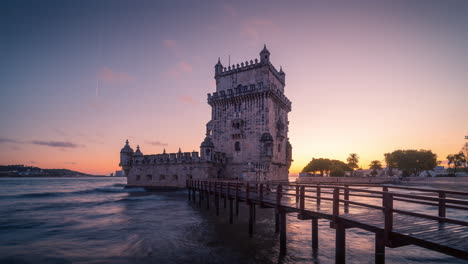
point(382, 212)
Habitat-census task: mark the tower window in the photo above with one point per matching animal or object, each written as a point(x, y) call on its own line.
point(149, 177)
point(279, 147)
point(237, 146)
point(138, 177)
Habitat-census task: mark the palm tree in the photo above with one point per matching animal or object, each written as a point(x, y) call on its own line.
point(375, 166)
point(353, 160)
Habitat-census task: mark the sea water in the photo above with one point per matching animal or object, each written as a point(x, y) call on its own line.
point(97, 220)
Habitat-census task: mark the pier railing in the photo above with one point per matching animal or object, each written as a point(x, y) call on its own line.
point(385, 205)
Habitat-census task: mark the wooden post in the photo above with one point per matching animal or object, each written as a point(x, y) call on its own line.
point(200, 195)
point(237, 198)
point(189, 188)
point(279, 194)
point(340, 243)
point(302, 199)
point(208, 196)
point(318, 194)
point(297, 193)
point(379, 247)
point(442, 205)
point(216, 199)
point(336, 203)
point(277, 219)
point(261, 194)
point(314, 233)
point(388, 211)
point(194, 190)
point(251, 218)
point(230, 211)
point(282, 232)
point(346, 197)
point(384, 189)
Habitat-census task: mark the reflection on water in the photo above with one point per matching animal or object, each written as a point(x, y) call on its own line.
point(96, 220)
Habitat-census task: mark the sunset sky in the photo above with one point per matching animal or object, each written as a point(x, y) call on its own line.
point(78, 78)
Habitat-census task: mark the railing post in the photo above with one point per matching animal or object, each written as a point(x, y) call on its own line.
point(297, 193)
point(318, 194)
point(279, 194)
point(384, 189)
point(388, 211)
point(302, 199)
point(336, 204)
point(346, 195)
point(442, 210)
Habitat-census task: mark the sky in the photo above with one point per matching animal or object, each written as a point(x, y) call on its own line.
point(78, 78)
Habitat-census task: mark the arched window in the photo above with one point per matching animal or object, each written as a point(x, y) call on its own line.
point(237, 146)
point(279, 147)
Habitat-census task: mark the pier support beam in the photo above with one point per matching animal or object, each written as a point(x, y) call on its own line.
point(231, 213)
point(314, 233)
point(282, 216)
point(208, 200)
point(340, 243)
point(217, 204)
point(276, 222)
point(237, 207)
point(251, 218)
point(380, 247)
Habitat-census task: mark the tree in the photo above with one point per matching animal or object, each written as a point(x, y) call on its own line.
point(336, 168)
point(457, 160)
point(353, 160)
point(389, 160)
point(412, 161)
point(375, 166)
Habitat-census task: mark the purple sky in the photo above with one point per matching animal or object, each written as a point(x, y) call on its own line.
point(77, 78)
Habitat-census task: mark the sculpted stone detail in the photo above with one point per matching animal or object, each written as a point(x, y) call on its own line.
point(246, 138)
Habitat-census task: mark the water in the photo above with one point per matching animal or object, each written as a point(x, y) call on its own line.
point(96, 220)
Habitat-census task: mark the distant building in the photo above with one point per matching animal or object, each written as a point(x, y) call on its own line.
point(246, 138)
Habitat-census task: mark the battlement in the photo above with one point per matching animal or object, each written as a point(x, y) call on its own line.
point(242, 67)
point(249, 90)
point(175, 158)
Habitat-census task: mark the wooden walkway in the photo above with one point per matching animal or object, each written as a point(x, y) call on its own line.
point(380, 211)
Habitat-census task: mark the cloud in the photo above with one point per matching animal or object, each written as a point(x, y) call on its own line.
point(170, 43)
point(187, 99)
point(252, 28)
point(55, 144)
point(156, 143)
point(110, 76)
point(9, 140)
point(70, 163)
point(179, 70)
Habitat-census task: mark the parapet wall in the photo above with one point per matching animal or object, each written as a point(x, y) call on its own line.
point(176, 158)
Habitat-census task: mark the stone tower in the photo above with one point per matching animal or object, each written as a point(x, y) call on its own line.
point(249, 120)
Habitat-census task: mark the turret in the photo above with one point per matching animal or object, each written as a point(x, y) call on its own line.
point(282, 74)
point(138, 153)
point(126, 157)
point(264, 55)
point(207, 149)
point(218, 67)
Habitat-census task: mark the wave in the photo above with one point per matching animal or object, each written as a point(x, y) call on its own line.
point(116, 188)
